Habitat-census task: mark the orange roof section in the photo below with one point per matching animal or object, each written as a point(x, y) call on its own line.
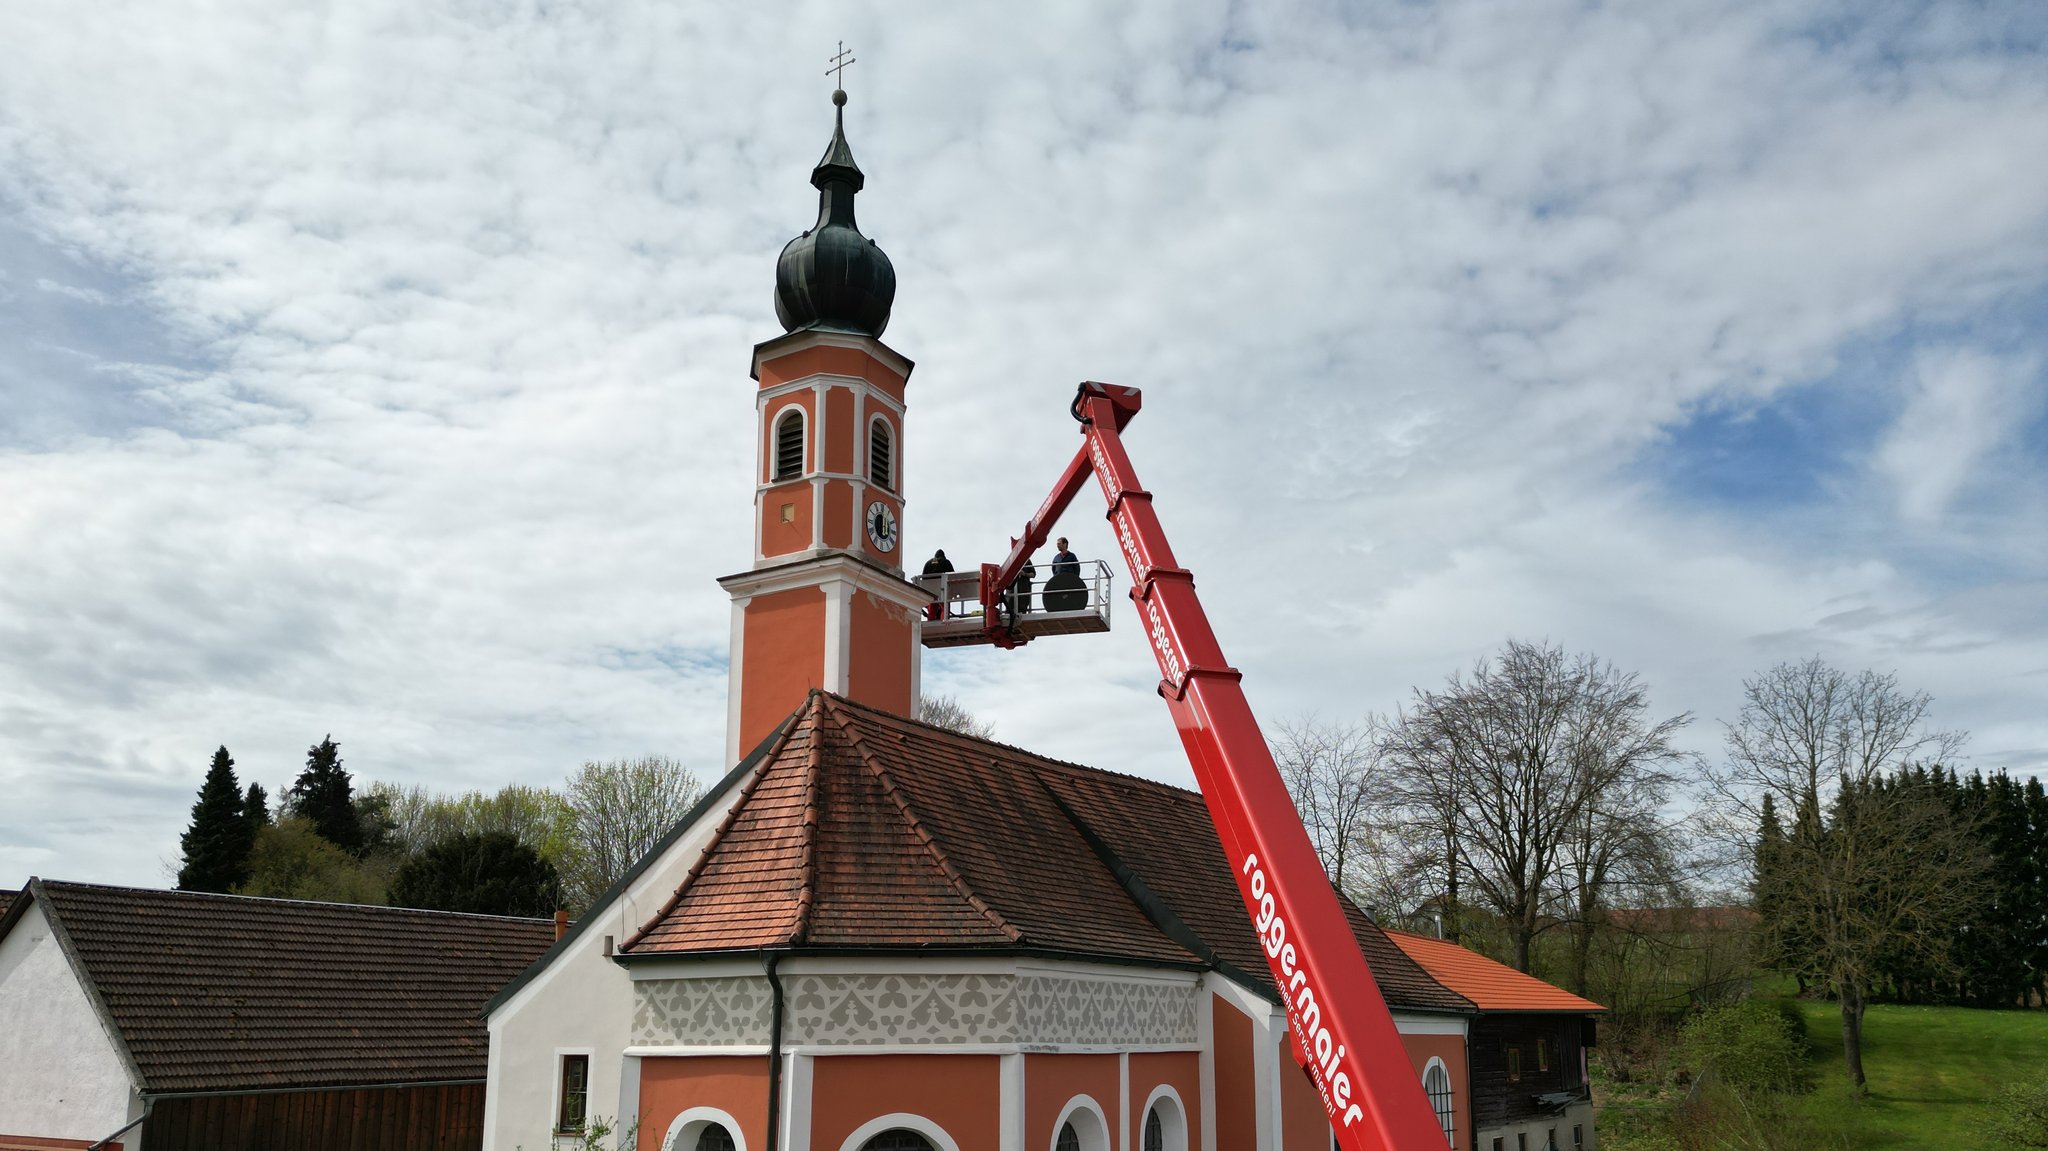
point(1489, 985)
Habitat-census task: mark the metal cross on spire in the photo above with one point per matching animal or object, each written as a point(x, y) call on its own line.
point(839, 63)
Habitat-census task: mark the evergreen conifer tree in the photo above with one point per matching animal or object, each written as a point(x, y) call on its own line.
point(491, 873)
point(1770, 845)
point(324, 796)
point(256, 807)
point(217, 843)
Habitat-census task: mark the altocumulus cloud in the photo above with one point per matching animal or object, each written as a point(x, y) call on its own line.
point(412, 403)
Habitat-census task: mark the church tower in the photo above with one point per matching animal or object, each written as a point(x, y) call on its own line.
point(825, 604)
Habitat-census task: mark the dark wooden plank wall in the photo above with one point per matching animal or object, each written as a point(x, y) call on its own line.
point(448, 1118)
point(1495, 1100)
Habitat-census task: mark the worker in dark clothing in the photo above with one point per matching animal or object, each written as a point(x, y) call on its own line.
point(1064, 562)
point(1020, 589)
point(1065, 591)
point(937, 567)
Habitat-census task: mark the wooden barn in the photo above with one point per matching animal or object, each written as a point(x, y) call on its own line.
point(1526, 1051)
point(170, 1020)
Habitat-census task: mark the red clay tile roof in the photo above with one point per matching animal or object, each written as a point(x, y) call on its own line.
point(866, 829)
point(1493, 986)
point(221, 991)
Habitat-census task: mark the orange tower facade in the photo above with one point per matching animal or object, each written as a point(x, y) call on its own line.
point(825, 604)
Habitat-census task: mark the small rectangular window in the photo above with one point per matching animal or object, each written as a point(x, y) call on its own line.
point(1542, 1054)
point(1514, 1065)
point(1521, 1141)
point(1499, 1144)
point(1578, 1138)
point(1550, 1140)
point(574, 1102)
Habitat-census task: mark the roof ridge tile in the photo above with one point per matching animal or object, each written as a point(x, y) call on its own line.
point(732, 815)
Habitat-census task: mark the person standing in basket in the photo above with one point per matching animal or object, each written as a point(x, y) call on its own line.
point(938, 565)
point(1020, 589)
point(1065, 591)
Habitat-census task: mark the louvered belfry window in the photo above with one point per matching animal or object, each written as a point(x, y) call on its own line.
point(881, 455)
point(789, 445)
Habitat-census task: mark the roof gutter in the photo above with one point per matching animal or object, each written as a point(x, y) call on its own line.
point(215, 1092)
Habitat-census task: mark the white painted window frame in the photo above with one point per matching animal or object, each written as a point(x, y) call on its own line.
point(1102, 1138)
point(691, 1123)
point(904, 1119)
point(1173, 1122)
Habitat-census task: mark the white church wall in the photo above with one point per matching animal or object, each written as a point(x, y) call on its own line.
point(582, 1002)
point(64, 1077)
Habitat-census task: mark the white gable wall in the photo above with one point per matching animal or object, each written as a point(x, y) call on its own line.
point(582, 1002)
point(64, 1078)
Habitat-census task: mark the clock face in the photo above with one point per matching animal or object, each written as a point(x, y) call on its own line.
point(882, 526)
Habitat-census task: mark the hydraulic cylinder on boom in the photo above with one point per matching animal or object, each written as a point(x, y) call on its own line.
point(1344, 1036)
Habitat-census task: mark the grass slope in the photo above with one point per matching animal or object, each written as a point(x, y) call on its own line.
point(1932, 1072)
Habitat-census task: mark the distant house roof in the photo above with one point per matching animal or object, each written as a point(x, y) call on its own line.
point(212, 992)
point(868, 830)
point(1492, 986)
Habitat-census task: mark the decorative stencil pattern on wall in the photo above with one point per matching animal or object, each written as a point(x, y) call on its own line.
point(1099, 1011)
point(701, 1012)
point(857, 1010)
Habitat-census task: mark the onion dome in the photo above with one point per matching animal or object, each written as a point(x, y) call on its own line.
point(832, 276)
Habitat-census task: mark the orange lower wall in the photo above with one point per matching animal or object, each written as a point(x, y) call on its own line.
point(735, 1084)
point(782, 659)
point(1237, 1118)
point(1052, 1081)
point(878, 667)
point(960, 1093)
point(1450, 1049)
point(1181, 1070)
point(1304, 1125)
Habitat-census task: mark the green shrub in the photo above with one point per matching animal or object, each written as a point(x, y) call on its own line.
point(2019, 1115)
point(1750, 1046)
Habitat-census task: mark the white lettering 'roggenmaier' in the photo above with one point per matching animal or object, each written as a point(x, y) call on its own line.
point(1303, 1008)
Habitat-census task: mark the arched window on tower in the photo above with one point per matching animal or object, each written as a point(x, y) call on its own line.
point(789, 445)
point(882, 454)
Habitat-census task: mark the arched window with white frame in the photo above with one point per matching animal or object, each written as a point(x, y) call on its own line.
point(1436, 1081)
point(789, 444)
point(1165, 1123)
point(899, 1131)
point(704, 1129)
point(1082, 1126)
point(882, 453)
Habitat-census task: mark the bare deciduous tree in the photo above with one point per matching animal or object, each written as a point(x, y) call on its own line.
point(947, 712)
point(1872, 867)
point(1536, 767)
point(1332, 771)
point(618, 811)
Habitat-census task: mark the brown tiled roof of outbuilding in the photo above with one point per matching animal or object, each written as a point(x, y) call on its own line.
point(867, 830)
point(212, 992)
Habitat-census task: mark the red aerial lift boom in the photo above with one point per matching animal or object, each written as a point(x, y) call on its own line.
point(1344, 1035)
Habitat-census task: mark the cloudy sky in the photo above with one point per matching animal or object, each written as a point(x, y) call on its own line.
point(380, 368)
